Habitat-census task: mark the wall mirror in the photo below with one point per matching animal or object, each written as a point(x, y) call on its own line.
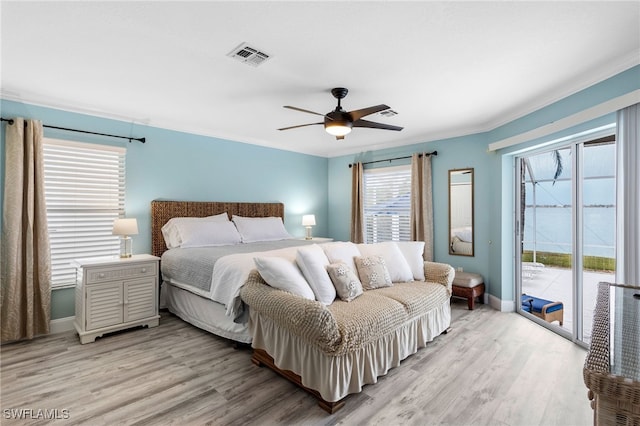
point(461, 212)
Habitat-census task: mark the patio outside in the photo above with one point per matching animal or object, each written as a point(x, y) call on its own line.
point(555, 284)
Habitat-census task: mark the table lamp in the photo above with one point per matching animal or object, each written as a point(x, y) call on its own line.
point(125, 227)
point(308, 220)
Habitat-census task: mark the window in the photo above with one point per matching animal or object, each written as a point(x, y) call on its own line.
point(387, 204)
point(84, 192)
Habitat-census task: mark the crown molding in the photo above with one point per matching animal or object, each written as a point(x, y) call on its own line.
point(596, 111)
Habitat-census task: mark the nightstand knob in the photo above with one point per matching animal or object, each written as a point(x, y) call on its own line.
point(143, 270)
point(101, 275)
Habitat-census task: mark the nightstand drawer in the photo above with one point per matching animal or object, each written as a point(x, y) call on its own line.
point(139, 270)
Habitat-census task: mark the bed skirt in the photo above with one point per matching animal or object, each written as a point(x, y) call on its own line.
point(203, 313)
point(335, 377)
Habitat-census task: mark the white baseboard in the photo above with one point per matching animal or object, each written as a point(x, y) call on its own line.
point(502, 305)
point(61, 325)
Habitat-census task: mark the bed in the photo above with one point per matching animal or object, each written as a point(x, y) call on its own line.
point(184, 270)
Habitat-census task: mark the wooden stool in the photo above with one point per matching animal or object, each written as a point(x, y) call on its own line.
point(469, 286)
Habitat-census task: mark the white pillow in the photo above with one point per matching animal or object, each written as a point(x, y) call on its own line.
point(220, 217)
point(397, 265)
point(413, 252)
point(171, 229)
point(283, 274)
point(206, 234)
point(254, 229)
point(313, 263)
point(341, 251)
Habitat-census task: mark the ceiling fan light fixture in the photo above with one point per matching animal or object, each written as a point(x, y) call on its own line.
point(339, 122)
point(338, 128)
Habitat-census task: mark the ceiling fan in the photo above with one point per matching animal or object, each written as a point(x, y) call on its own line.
point(339, 122)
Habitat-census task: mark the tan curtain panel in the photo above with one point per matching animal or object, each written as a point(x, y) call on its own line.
point(26, 268)
point(357, 203)
point(422, 203)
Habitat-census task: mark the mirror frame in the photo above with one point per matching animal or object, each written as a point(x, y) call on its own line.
point(470, 250)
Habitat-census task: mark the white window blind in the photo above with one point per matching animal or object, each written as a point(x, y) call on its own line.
point(84, 191)
point(387, 204)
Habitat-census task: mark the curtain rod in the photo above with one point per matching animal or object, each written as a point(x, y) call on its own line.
point(397, 158)
point(143, 140)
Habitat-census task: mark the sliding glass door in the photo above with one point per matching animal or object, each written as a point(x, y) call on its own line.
point(565, 225)
point(597, 225)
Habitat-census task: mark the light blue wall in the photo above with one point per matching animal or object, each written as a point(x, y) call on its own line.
point(181, 166)
point(454, 153)
point(502, 173)
point(618, 85)
point(494, 181)
point(175, 165)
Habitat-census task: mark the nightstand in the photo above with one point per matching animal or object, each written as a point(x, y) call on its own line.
point(114, 294)
point(318, 239)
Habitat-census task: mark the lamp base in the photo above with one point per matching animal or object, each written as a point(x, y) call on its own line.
point(308, 235)
point(125, 247)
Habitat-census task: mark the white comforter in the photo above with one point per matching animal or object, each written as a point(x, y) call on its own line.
point(230, 273)
point(218, 273)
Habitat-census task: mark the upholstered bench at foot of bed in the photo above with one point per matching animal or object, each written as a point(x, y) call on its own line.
point(468, 285)
point(333, 351)
point(261, 358)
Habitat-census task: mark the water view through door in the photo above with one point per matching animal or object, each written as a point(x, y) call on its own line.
point(566, 223)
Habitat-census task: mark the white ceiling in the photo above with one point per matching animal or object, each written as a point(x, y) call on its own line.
point(447, 68)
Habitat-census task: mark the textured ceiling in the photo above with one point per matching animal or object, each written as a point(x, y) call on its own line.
point(447, 68)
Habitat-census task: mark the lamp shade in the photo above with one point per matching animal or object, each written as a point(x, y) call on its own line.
point(308, 220)
point(128, 226)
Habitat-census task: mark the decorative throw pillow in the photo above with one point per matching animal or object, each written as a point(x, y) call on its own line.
point(413, 252)
point(313, 263)
point(283, 274)
point(347, 284)
point(373, 272)
point(341, 251)
point(397, 265)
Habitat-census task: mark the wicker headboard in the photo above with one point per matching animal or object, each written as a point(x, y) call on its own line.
point(162, 211)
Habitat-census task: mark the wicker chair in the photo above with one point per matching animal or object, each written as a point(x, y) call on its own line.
point(615, 398)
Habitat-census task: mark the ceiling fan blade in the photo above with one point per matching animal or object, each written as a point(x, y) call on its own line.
point(372, 125)
point(303, 110)
point(300, 125)
point(359, 113)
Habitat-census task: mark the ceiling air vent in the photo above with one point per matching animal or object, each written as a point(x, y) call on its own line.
point(248, 55)
point(388, 113)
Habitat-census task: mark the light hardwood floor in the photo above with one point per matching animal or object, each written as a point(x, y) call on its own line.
point(492, 369)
